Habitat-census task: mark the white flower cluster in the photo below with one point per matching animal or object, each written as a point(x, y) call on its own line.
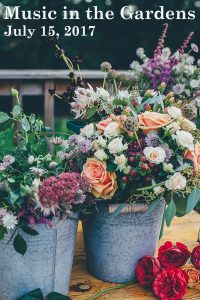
point(8, 220)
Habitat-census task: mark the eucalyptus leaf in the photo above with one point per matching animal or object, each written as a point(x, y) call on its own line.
point(4, 117)
point(25, 124)
point(13, 197)
point(118, 210)
point(153, 205)
point(170, 212)
point(16, 110)
point(20, 244)
point(193, 199)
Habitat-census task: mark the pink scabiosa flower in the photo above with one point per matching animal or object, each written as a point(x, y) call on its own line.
point(62, 192)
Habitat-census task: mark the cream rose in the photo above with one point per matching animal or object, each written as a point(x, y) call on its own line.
point(112, 130)
point(185, 139)
point(155, 155)
point(116, 146)
point(121, 162)
point(101, 155)
point(188, 125)
point(88, 130)
point(103, 183)
point(174, 112)
point(176, 182)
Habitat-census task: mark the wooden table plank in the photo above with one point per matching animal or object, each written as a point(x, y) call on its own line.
point(184, 230)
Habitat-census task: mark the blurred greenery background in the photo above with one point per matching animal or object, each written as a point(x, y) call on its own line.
point(114, 40)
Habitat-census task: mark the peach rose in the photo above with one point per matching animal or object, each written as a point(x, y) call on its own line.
point(153, 121)
point(103, 124)
point(194, 156)
point(194, 276)
point(103, 183)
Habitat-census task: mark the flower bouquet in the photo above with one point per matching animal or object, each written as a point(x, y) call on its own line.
point(39, 210)
point(134, 159)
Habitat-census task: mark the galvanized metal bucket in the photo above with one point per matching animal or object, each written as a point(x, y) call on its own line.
point(114, 245)
point(47, 263)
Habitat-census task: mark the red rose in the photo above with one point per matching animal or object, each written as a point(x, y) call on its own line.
point(170, 284)
point(147, 268)
point(173, 256)
point(195, 257)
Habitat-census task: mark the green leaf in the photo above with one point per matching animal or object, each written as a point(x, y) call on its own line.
point(120, 102)
point(13, 197)
point(118, 210)
point(162, 228)
point(91, 112)
point(25, 124)
point(3, 232)
point(56, 296)
point(111, 167)
point(20, 244)
point(193, 199)
point(29, 230)
point(16, 110)
point(6, 125)
point(170, 212)
point(4, 117)
point(33, 295)
point(153, 205)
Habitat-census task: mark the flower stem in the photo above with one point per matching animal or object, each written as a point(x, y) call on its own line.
point(105, 291)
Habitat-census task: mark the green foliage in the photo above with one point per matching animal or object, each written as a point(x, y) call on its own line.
point(20, 244)
point(170, 212)
point(193, 199)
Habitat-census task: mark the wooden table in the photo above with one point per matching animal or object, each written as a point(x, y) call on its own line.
point(184, 230)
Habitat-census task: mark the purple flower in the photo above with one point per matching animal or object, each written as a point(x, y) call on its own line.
point(195, 48)
point(152, 140)
point(3, 167)
point(168, 152)
point(178, 89)
point(8, 160)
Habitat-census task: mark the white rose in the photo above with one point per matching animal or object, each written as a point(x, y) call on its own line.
point(101, 142)
point(173, 127)
point(194, 83)
point(88, 130)
point(187, 125)
point(120, 161)
point(112, 130)
point(155, 155)
point(101, 155)
point(168, 168)
point(185, 139)
point(176, 182)
point(116, 146)
point(175, 112)
point(158, 190)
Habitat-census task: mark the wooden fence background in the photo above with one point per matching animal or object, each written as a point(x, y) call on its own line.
point(38, 82)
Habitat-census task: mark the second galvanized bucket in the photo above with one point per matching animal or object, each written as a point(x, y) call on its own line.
point(47, 263)
point(114, 245)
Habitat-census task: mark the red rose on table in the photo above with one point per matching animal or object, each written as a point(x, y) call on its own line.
point(148, 267)
point(170, 284)
point(195, 257)
point(173, 256)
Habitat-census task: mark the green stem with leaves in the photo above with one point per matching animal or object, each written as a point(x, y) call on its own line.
point(108, 290)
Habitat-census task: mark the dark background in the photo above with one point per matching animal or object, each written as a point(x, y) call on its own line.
point(115, 41)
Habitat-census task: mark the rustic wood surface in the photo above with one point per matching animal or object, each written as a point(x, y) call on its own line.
point(184, 230)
